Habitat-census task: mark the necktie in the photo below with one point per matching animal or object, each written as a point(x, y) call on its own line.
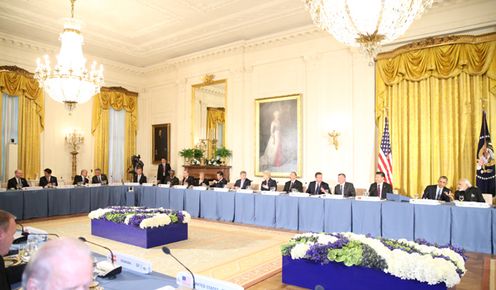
point(317, 187)
point(19, 182)
point(438, 194)
point(342, 189)
point(379, 191)
point(292, 183)
point(100, 178)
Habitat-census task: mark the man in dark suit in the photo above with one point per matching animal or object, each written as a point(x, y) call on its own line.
point(318, 186)
point(379, 187)
point(187, 180)
point(293, 183)
point(221, 182)
point(242, 182)
point(346, 189)
point(18, 181)
point(172, 179)
point(48, 180)
point(163, 171)
point(439, 191)
point(81, 179)
point(469, 192)
point(7, 231)
point(139, 177)
point(268, 183)
point(99, 177)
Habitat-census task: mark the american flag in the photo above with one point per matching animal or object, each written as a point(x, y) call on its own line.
point(385, 163)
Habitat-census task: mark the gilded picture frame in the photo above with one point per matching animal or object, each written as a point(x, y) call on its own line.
point(160, 142)
point(278, 135)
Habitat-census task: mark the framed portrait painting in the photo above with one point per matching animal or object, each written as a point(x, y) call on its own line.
point(160, 142)
point(278, 135)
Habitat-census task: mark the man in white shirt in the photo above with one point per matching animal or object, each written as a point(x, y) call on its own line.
point(439, 191)
point(346, 189)
point(379, 187)
point(140, 178)
point(242, 182)
point(293, 184)
point(18, 181)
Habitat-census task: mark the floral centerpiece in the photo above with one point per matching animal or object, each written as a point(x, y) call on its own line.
point(141, 226)
point(404, 259)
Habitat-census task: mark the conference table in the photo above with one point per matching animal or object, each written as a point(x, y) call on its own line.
point(474, 229)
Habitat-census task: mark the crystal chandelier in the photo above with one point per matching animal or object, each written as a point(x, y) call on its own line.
point(366, 24)
point(70, 82)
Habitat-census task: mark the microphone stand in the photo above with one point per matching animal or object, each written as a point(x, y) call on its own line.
point(167, 251)
point(116, 270)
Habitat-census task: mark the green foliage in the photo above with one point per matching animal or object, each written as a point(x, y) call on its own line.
point(350, 254)
point(286, 248)
point(187, 153)
point(197, 153)
point(173, 218)
point(115, 217)
point(223, 152)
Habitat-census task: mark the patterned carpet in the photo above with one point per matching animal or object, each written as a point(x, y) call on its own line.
point(489, 274)
point(241, 254)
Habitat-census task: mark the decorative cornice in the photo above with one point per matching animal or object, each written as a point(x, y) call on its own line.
point(120, 90)
point(16, 69)
point(438, 41)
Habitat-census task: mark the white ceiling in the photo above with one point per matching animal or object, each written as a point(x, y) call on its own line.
point(146, 32)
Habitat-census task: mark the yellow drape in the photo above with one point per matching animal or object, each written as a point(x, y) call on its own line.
point(215, 116)
point(434, 97)
point(117, 99)
point(17, 82)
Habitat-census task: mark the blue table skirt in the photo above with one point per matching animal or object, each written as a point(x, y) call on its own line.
point(208, 205)
point(176, 199)
point(226, 206)
point(148, 196)
point(244, 208)
point(265, 210)
point(433, 223)
point(35, 204)
point(100, 197)
point(13, 202)
point(80, 200)
point(397, 220)
point(310, 213)
point(287, 212)
point(367, 217)
point(337, 215)
point(163, 197)
point(192, 202)
point(469, 229)
point(117, 195)
point(59, 202)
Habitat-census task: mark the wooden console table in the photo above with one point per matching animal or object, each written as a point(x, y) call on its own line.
point(210, 171)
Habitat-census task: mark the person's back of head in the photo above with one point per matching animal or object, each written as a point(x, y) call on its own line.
point(59, 264)
point(7, 231)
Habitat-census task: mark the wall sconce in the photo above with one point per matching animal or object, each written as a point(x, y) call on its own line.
point(334, 136)
point(74, 139)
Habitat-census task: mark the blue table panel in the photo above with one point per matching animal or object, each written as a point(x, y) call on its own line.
point(35, 204)
point(208, 205)
point(117, 195)
point(433, 223)
point(287, 212)
point(100, 197)
point(59, 201)
point(192, 202)
point(148, 196)
point(265, 210)
point(226, 206)
point(244, 208)
point(163, 197)
point(471, 229)
point(80, 200)
point(13, 202)
point(366, 217)
point(131, 199)
point(337, 214)
point(397, 220)
point(310, 213)
point(177, 198)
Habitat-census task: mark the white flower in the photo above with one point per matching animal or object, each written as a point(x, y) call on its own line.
point(99, 213)
point(187, 217)
point(299, 251)
point(326, 239)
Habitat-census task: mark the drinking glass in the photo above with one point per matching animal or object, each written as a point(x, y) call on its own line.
point(461, 197)
point(294, 190)
point(272, 188)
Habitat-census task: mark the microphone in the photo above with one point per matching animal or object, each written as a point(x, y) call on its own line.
point(24, 235)
point(109, 272)
point(167, 251)
point(40, 234)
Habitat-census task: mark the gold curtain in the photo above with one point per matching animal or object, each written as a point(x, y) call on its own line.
point(434, 97)
point(118, 99)
point(215, 116)
point(15, 81)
